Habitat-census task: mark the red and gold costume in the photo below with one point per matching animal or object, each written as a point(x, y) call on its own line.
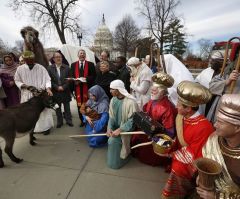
point(160, 110)
point(192, 134)
point(164, 112)
point(188, 148)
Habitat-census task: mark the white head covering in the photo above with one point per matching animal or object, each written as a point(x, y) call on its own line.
point(119, 85)
point(133, 61)
point(179, 72)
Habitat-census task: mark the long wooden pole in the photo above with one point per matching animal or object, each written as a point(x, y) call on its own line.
point(104, 134)
point(237, 67)
point(226, 54)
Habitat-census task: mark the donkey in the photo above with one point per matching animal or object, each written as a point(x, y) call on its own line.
point(21, 119)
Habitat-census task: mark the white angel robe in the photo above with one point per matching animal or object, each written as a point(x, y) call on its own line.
point(39, 78)
point(179, 72)
point(141, 86)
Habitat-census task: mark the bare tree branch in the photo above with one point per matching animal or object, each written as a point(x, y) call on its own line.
point(57, 14)
point(159, 13)
point(126, 34)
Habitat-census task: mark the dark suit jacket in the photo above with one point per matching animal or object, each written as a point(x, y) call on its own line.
point(91, 74)
point(124, 75)
point(60, 96)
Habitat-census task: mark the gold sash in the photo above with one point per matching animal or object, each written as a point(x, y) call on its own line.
point(179, 128)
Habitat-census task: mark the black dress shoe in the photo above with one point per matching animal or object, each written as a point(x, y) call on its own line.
point(59, 125)
point(70, 124)
point(46, 132)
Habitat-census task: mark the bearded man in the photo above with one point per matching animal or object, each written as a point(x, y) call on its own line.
point(160, 109)
point(141, 81)
point(33, 74)
point(121, 109)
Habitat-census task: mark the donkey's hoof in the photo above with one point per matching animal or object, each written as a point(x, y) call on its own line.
point(18, 160)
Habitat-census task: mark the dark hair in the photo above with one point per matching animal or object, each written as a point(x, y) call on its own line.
point(9, 56)
point(15, 59)
point(122, 58)
point(193, 108)
point(108, 54)
point(56, 53)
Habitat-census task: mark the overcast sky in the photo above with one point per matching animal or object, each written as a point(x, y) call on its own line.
point(210, 19)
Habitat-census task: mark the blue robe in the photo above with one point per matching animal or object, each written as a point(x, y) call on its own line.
point(99, 127)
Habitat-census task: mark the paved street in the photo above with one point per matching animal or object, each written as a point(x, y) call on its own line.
point(61, 168)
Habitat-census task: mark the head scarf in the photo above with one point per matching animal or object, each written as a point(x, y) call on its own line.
point(119, 85)
point(10, 70)
point(101, 104)
point(133, 61)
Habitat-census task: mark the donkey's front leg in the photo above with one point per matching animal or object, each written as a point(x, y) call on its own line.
point(1, 160)
point(32, 138)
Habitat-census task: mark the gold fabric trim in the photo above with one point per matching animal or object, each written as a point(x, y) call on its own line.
point(232, 153)
point(179, 128)
point(224, 183)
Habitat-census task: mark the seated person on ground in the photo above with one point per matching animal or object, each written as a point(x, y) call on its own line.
point(95, 115)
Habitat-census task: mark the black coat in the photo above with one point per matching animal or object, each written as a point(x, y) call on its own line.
point(60, 96)
point(104, 81)
point(91, 74)
point(124, 75)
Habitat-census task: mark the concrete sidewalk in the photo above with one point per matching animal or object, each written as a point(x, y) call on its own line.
point(62, 168)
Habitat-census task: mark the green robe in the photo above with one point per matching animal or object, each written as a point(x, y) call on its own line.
point(120, 113)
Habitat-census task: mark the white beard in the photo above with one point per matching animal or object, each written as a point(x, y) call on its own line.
point(155, 97)
point(134, 71)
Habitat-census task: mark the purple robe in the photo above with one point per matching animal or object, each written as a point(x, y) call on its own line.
point(12, 92)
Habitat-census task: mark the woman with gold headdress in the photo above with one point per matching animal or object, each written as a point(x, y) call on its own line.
point(193, 131)
point(224, 147)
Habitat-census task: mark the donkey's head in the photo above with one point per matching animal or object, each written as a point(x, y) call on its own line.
point(43, 95)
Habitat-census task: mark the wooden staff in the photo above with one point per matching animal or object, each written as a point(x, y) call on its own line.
point(136, 51)
point(226, 54)
point(237, 67)
point(105, 134)
point(159, 55)
point(142, 144)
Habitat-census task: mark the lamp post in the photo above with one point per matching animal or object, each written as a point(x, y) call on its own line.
point(79, 36)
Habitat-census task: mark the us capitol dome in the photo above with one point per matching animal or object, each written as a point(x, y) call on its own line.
point(103, 39)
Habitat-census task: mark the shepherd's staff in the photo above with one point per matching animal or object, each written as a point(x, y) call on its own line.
point(105, 134)
point(237, 67)
point(160, 57)
point(226, 54)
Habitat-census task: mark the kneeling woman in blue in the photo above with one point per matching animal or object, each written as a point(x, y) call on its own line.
point(96, 116)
